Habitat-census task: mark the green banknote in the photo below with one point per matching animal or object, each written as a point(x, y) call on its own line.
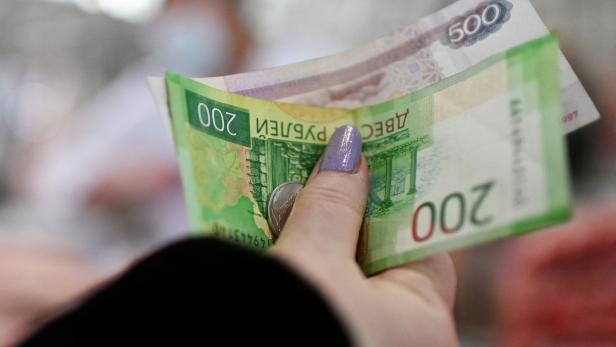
point(474, 157)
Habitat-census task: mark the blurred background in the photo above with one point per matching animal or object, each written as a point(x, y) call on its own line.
point(89, 181)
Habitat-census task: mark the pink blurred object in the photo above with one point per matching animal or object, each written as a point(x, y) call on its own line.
point(37, 284)
point(558, 287)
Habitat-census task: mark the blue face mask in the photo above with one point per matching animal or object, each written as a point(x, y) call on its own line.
point(191, 42)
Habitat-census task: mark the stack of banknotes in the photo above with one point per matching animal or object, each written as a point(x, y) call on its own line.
point(462, 117)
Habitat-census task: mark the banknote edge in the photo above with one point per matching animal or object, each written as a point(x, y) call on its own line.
point(559, 207)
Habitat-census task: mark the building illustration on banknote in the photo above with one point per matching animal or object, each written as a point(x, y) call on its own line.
point(392, 162)
point(272, 162)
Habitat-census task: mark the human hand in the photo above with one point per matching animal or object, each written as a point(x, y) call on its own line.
point(408, 305)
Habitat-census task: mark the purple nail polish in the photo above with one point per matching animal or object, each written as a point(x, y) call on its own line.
point(343, 151)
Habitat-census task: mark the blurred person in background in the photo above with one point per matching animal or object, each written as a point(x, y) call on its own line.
point(109, 173)
point(116, 150)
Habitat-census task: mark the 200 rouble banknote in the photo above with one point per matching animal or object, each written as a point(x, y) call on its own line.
point(472, 157)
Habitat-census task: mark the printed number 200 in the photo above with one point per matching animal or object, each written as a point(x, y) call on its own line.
point(215, 118)
point(448, 226)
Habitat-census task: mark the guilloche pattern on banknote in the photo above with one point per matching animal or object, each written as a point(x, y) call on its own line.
point(473, 157)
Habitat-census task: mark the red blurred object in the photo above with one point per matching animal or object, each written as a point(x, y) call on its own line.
point(607, 131)
point(558, 287)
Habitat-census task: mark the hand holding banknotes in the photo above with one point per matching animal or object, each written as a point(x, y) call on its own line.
point(310, 291)
point(409, 304)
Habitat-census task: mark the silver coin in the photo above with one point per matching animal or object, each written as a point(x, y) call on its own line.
point(280, 204)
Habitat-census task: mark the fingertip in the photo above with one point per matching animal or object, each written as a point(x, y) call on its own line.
point(328, 212)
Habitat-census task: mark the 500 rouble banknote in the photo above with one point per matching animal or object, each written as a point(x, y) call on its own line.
point(440, 45)
point(473, 157)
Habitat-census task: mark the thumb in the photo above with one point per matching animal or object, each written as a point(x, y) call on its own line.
point(329, 210)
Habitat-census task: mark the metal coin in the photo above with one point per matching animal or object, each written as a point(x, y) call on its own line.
point(280, 204)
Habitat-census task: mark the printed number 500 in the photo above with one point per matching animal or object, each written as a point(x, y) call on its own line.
point(473, 23)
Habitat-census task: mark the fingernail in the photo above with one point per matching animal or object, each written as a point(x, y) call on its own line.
point(343, 151)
